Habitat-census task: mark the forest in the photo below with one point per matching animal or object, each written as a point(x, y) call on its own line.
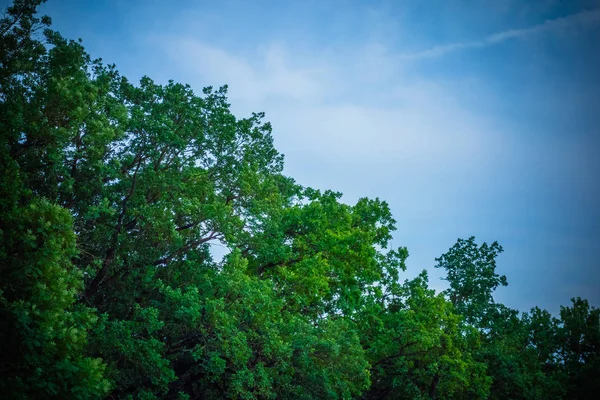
point(112, 194)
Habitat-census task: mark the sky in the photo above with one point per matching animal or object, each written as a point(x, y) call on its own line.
point(470, 118)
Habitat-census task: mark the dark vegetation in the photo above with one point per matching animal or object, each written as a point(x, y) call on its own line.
point(112, 194)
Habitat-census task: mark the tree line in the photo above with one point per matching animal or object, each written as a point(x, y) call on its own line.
point(111, 196)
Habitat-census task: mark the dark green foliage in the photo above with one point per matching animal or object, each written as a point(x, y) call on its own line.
point(112, 195)
point(579, 348)
point(419, 348)
point(43, 333)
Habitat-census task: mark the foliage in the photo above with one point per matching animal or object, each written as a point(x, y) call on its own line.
point(471, 273)
point(419, 348)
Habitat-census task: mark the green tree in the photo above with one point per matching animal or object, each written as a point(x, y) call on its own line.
point(419, 348)
point(471, 274)
point(579, 351)
point(152, 176)
point(43, 332)
point(521, 350)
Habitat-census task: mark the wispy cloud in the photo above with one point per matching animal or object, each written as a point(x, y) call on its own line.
point(581, 19)
point(273, 77)
point(324, 107)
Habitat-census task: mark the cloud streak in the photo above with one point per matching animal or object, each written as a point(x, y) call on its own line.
point(581, 19)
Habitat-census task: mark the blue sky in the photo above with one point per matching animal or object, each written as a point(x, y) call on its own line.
point(469, 117)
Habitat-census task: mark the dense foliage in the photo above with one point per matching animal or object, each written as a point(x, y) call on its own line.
point(113, 193)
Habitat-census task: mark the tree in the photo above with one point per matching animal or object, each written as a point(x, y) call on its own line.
point(419, 348)
point(521, 350)
point(471, 273)
point(152, 176)
point(43, 332)
point(579, 351)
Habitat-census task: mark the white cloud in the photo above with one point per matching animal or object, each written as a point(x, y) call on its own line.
point(361, 106)
point(273, 77)
point(363, 109)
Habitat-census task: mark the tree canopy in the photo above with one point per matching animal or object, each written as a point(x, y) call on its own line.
point(112, 194)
